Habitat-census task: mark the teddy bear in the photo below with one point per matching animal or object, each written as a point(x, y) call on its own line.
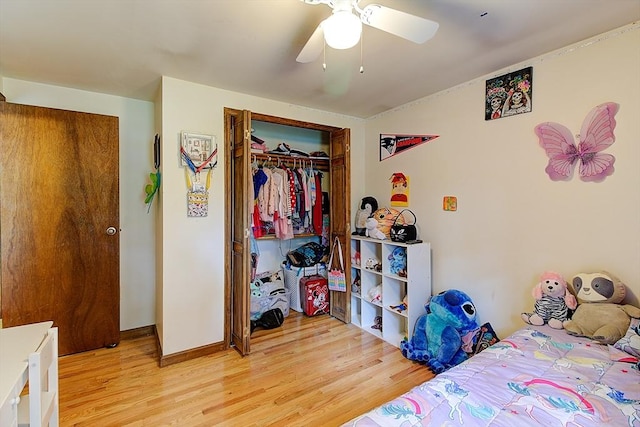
point(372, 231)
point(553, 301)
point(368, 205)
point(599, 315)
point(437, 335)
point(398, 261)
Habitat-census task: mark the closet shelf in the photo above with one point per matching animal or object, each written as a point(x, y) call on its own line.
point(295, 236)
point(321, 163)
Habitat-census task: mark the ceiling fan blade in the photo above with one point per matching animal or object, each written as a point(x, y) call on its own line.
point(312, 49)
point(401, 24)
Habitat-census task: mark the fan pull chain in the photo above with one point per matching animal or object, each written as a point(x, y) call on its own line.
point(324, 56)
point(361, 50)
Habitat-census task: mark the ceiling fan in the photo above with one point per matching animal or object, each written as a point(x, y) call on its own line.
point(343, 28)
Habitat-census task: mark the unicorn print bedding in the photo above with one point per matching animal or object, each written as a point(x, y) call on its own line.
point(537, 376)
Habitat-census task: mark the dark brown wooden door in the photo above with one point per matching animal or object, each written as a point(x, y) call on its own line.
point(340, 207)
point(239, 123)
point(59, 196)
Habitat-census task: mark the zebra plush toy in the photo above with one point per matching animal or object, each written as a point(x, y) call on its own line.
point(553, 301)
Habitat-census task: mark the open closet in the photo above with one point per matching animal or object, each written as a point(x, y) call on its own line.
point(279, 144)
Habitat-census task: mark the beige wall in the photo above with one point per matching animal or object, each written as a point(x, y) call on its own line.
point(192, 260)
point(513, 222)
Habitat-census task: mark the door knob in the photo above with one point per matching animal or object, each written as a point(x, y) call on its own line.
point(111, 231)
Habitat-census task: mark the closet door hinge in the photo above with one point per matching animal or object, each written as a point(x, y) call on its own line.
point(247, 134)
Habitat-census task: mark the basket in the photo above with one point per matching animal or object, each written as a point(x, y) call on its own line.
point(292, 276)
point(261, 304)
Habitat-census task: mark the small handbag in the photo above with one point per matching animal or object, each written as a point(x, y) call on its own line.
point(402, 233)
point(336, 276)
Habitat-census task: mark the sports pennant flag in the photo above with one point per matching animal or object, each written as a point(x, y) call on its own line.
point(390, 145)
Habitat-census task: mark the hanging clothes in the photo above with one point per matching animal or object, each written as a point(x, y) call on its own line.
point(258, 181)
point(264, 194)
point(306, 201)
point(278, 208)
point(287, 201)
point(275, 192)
point(317, 207)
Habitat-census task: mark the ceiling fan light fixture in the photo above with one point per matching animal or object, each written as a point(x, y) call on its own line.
point(342, 29)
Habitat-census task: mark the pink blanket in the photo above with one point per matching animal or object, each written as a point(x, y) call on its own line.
point(538, 376)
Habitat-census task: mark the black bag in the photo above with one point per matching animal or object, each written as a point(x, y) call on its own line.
point(306, 255)
point(270, 319)
point(403, 233)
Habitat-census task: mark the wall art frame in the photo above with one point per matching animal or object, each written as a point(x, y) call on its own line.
point(201, 149)
point(509, 95)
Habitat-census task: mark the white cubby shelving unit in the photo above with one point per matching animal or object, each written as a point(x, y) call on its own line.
point(416, 286)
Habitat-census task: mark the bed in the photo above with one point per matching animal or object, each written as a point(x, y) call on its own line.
point(536, 376)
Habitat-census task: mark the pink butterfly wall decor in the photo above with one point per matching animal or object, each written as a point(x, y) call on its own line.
point(595, 136)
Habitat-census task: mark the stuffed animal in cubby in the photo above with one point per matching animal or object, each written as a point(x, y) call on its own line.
point(355, 258)
point(356, 286)
point(398, 261)
point(599, 315)
point(375, 294)
point(373, 264)
point(553, 301)
point(437, 335)
point(368, 205)
point(377, 323)
point(402, 307)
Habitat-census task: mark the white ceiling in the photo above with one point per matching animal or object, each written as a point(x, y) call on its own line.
point(122, 47)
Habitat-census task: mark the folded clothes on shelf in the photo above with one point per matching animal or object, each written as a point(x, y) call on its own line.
point(281, 149)
point(258, 140)
point(298, 153)
point(257, 145)
point(319, 154)
point(284, 149)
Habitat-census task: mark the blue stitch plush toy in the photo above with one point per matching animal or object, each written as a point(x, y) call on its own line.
point(398, 261)
point(437, 336)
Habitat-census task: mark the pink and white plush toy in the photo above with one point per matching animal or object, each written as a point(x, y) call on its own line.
point(553, 301)
point(372, 230)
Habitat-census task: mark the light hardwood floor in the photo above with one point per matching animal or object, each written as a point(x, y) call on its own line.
point(311, 372)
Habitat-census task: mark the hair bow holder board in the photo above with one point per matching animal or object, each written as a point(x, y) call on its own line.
point(199, 155)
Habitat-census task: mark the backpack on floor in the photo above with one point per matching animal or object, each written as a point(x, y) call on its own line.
point(270, 319)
